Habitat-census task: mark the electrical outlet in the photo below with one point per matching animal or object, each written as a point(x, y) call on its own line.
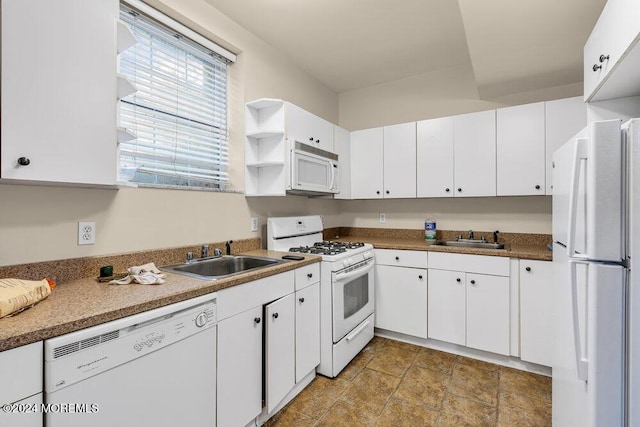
point(383, 218)
point(254, 223)
point(86, 233)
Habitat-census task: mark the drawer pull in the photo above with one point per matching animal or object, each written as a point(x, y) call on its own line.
point(528, 268)
point(301, 300)
point(275, 315)
point(310, 275)
point(604, 58)
point(458, 280)
point(257, 320)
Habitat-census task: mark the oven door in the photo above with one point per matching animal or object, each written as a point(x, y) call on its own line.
point(353, 298)
point(313, 172)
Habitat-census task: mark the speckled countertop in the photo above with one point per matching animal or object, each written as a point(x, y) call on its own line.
point(522, 245)
point(81, 303)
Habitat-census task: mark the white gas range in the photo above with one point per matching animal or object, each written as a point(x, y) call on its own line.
point(346, 287)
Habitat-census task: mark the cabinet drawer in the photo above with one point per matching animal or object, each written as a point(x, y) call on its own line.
point(496, 266)
point(400, 258)
point(251, 294)
point(307, 275)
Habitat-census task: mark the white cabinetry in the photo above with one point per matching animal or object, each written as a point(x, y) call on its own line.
point(520, 150)
point(367, 178)
point(302, 126)
point(401, 291)
point(469, 301)
point(474, 137)
point(434, 158)
point(612, 53)
point(279, 351)
point(399, 164)
point(384, 164)
point(563, 119)
point(21, 370)
point(59, 91)
point(307, 302)
point(342, 147)
point(536, 323)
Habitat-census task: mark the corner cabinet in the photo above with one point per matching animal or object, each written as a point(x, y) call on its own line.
point(59, 91)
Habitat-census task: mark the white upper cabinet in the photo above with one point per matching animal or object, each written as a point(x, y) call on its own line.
point(59, 91)
point(563, 119)
point(474, 137)
point(434, 158)
point(342, 147)
point(612, 53)
point(308, 128)
point(399, 165)
point(367, 163)
point(520, 150)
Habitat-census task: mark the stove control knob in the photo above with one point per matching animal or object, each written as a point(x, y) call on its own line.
point(367, 254)
point(346, 263)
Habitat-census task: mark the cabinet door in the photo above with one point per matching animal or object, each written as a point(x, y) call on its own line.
point(399, 163)
point(59, 91)
point(24, 419)
point(520, 150)
point(25, 382)
point(563, 119)
point(446, 306)
point(536, 311)
point(239, 391)
point(308, 128)
point(474, 144)
point(401, 300)
point(342, 147)
point(488, 313)
point(434, 158)
point(366, 164)
point(307, 330)
point(279, 351)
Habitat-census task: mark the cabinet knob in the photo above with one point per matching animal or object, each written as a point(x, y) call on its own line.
point(257, 320)
point(377, 192)
point(301, 300)
point(447, 190)
point(275, 315)
point(604, 58)
point(311, 139)
point(387, 191)
point(420, 277)
point(397, 258)
point(458, 280)
point(317, 141)
point(596, 67)
point(24, 161)
point(310, 275)
point(459, 190)
point(473, 282)
point(537, 187)
point(528, 268)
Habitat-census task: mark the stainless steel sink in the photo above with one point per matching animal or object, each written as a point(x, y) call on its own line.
point(222, 266)
point(472, 244)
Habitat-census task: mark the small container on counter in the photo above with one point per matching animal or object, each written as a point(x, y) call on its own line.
point(430, 230)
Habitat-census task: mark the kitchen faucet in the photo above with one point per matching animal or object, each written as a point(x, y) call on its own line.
point(204, 251)
point(228, 245)
point(470, 234)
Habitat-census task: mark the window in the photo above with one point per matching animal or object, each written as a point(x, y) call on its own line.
point(179, 111)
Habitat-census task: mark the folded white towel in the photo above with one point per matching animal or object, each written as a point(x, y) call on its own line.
point(147, 274)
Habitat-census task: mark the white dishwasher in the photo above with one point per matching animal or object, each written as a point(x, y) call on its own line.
point(156, 368)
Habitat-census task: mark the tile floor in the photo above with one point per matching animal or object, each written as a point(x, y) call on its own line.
point(391, 383)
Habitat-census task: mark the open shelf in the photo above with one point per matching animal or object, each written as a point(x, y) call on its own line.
point(260, 104)
point(263, 164)
point(265, 134)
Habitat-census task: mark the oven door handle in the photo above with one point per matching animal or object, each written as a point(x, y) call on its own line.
point(341, 277)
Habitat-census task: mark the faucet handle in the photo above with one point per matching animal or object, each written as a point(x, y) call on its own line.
point(217, 252)
point(204, 251)
point(470, 234)
point(189, 256)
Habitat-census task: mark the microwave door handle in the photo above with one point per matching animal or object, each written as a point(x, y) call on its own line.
point(333, 175)
point(579, 154)
point(582, 363)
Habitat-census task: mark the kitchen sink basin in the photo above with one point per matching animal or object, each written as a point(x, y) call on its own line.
point(470, 244)
point(222, 266)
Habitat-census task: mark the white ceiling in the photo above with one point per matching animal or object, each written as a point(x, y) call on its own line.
point(511, 45)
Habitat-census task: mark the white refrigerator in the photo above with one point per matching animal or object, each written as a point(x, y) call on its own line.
point(596, 223)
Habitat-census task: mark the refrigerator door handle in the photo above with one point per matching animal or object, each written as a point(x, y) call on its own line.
point(579, 154)
point(582, 363)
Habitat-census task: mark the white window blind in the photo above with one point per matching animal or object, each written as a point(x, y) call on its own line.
point(179, 112)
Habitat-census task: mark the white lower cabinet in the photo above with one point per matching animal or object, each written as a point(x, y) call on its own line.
point(307, 349)
point(401, 300)
point(240, 368)
point(470, 305)
point(536, 324)
point(21, 370)
point(279, 350)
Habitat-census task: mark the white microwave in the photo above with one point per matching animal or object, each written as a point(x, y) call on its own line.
point(312, 171)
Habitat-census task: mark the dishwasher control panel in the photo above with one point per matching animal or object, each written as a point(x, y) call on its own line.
point(73, 357)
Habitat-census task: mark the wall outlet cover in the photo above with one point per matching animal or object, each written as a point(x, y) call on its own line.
point(254, 223)
point(383, 218)
point(86, 233)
